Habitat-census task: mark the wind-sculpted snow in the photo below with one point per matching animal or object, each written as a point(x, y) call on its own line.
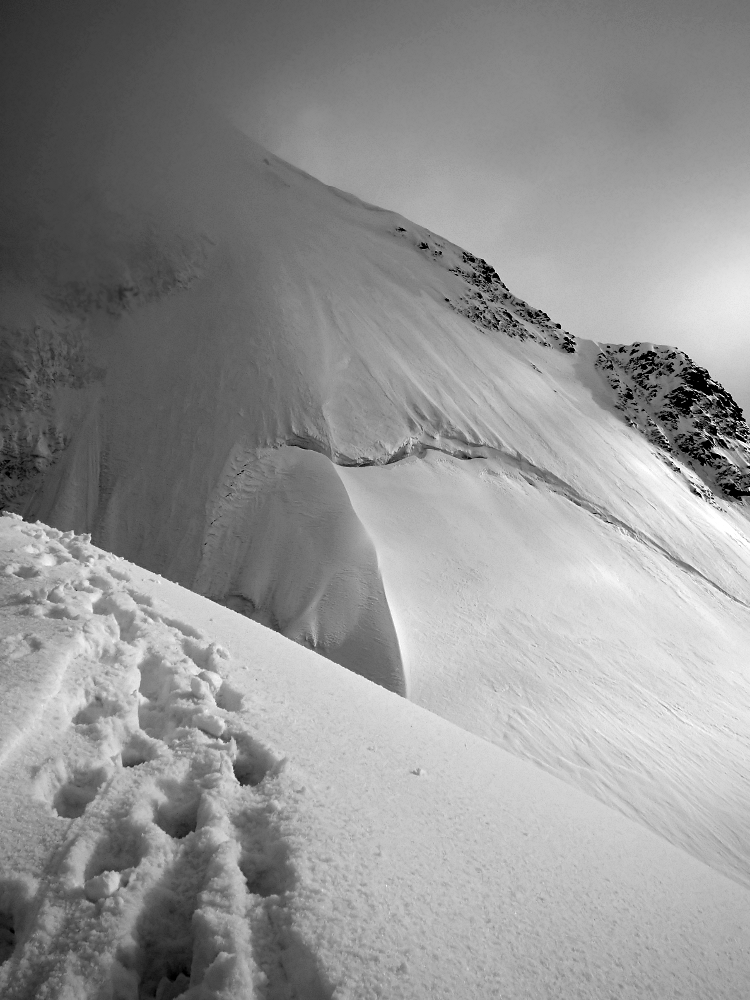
point(284, 547)
point(684, 412)
point(193, 806)
point(598, 649)
point(454, 447)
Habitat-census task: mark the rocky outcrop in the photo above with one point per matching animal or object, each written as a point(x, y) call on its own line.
point(490, 304)
point(683, 411)
point(487, 301)
point(150, 268)
point(46, 380)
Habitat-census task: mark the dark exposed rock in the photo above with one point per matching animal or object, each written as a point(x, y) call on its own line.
point(487, 302)
point(490, 304)
point(44, 375)
point(684, 412)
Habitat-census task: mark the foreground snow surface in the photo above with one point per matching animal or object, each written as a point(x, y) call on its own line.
point(193, 805)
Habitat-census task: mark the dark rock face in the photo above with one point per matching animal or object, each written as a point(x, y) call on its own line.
point(487, 301)
point(684, 412)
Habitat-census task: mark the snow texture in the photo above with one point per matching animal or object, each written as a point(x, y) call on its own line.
point(195, 806)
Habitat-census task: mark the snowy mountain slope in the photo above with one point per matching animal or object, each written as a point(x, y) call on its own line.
point(195, 806)
point(326, 417)
point(546, 627)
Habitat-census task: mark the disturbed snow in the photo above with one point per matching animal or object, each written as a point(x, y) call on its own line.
point(195, 806)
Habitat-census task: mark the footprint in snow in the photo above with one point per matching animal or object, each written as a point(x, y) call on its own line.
point(162, 957)
point(177, 812)
point(69, 790)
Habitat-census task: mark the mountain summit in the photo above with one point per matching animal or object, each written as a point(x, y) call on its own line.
point(333, 421)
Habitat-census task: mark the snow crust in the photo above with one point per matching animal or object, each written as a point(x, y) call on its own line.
point(195, 806)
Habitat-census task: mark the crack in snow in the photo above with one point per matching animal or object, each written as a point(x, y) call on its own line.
point(459, 448)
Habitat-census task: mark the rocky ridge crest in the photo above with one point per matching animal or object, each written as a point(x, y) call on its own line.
point(487, 301)
point(683, 411)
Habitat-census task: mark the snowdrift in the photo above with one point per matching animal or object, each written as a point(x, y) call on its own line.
point(195, 806)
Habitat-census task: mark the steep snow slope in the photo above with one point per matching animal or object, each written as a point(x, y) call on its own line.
point(332, 420)
point(195, 806)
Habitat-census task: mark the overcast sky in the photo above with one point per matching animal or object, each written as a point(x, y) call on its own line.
point(597, 153)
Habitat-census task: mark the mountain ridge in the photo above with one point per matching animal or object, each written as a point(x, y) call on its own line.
point(35, 359)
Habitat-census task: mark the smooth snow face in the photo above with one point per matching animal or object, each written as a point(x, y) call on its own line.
point(203, 375)
point(540, 623)
point(285, 547)
point(195, 806)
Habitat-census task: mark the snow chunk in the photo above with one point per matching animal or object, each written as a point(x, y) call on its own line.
point(102, 886)
point(209, 723)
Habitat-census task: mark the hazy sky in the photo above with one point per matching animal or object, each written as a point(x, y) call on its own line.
point(597, 153)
